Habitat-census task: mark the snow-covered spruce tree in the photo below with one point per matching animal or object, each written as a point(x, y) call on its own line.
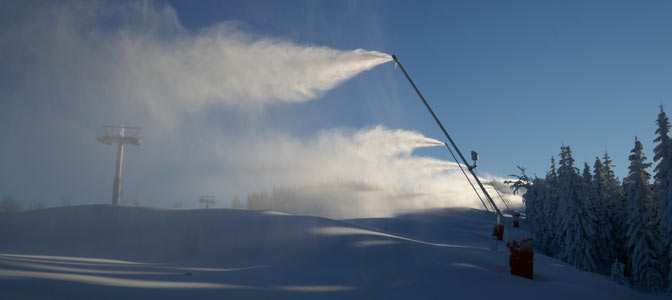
point(587, 188)
point(643, 243)
point(662, 154)
point(586, 195)
point(533, 198)
point(530, 199)
point(587, 204)
point(614, 199)
point(604, 242)
point(540, 187)
point(534, 201)
point(576, 226)
point(548, 242)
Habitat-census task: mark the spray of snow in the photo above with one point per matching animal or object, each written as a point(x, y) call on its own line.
point(78, 65)
point(150, 64)
point(377, 156)
point(347, 173)
point(222, 65)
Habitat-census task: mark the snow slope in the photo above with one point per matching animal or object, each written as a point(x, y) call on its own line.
point(108, 252)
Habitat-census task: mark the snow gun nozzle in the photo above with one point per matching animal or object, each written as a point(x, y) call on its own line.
point(395, 58)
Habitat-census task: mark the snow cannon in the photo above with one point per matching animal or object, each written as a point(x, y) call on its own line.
point(521, 260)
point(499, 228)
point(498, 232)
point(516, 220)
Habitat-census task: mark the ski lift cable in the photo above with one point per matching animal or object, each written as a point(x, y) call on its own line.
point(445, 132)
point(467, 177)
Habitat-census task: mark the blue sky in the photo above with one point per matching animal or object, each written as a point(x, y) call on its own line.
point(512, 79)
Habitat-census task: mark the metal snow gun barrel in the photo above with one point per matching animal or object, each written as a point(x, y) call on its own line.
point(474, 155)
point(522, 253)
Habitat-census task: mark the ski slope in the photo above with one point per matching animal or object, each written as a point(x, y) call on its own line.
point(118, 252)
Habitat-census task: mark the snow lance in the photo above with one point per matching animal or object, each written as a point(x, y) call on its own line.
point(471, 168)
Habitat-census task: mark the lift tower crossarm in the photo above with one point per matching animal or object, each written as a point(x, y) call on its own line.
point(464, 160)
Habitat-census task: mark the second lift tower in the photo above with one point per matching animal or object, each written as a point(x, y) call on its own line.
point(122, 137)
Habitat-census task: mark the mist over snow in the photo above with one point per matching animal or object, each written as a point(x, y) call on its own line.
point(68, 68)
point(345, 173)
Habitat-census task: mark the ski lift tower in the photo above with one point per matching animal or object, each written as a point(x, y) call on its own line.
point(207, 201)
point(119, 135)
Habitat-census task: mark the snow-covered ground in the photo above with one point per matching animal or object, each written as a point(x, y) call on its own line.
point(108, 252)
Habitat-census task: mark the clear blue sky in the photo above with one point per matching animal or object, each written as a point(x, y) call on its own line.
point(512, 79)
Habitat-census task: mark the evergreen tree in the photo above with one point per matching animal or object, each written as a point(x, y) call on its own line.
point(531, 197)
point(643, 242)
point(663, 184)
point(548, 242)
point(588, 200)
point(576, 228)
point(587, 187)
point(614, 201)
point(613, 191)
point(531, 200)
point(604, 240)
point(534, 208)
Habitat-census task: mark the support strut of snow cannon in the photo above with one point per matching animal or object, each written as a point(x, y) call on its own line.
point(464, 160)
point(520, 260)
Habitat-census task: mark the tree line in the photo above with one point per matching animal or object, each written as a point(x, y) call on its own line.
point(598, 223)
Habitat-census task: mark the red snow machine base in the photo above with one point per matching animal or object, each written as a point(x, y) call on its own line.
point(521, 259)
point(498, 231)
